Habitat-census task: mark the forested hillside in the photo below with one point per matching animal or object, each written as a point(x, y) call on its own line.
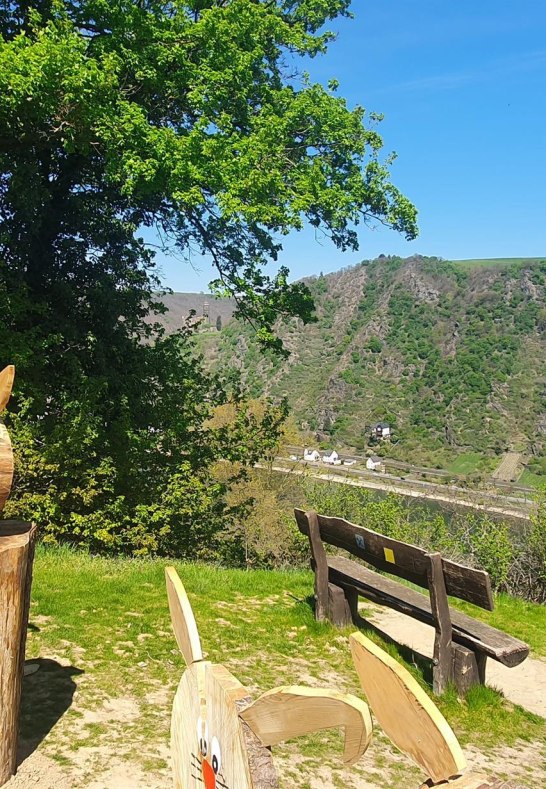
point(452, 355)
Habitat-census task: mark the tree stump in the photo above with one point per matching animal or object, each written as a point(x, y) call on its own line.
point(16, 558)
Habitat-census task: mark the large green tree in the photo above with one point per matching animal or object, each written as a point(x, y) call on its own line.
point(188, 117)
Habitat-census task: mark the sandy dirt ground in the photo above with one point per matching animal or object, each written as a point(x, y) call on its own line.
point(507, 469)
point(105, 766)
point(524, 684)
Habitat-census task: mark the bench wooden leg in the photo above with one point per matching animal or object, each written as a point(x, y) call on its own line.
point(481, 660)
point(442, 660)
point(339, 611)
point(351, 595)
point(465, 669)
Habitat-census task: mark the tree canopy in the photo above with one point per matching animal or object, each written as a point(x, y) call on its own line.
point(190, 118)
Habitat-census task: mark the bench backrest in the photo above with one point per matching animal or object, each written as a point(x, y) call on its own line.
point(401, 559)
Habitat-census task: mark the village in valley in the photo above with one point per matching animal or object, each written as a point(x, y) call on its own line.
point(272, 394)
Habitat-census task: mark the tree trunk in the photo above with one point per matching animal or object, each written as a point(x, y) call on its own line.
point(16, 557)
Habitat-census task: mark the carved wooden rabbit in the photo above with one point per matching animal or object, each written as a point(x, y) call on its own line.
point(220, 738)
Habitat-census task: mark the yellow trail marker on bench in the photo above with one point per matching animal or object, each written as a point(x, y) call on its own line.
point(219, 737)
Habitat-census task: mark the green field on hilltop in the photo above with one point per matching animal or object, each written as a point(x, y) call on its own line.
point(465, 463)
point(532, 480)
point(101, 632)
point(484, 262)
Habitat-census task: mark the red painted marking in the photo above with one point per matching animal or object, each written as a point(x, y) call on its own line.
point(208, 775)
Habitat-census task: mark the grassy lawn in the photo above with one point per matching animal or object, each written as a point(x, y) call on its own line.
point(110, 666)
point(532, 480)
point(465, 463)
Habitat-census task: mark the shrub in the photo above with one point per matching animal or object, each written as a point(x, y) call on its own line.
point(515, 558)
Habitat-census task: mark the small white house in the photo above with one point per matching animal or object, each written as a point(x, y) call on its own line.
point(380, 430)
point(311, 454)
point(375, 463)
point(333, 458)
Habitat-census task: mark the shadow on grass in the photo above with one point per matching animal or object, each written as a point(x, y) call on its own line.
point(422, 663)
point(47, 695)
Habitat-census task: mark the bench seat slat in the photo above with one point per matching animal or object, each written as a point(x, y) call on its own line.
point(467, 631)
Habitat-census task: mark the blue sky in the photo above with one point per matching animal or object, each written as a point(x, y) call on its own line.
point(462, 86)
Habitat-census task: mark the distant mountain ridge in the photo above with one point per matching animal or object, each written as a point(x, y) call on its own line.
point(452, 355)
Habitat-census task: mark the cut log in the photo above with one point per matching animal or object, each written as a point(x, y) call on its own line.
point(16, 557)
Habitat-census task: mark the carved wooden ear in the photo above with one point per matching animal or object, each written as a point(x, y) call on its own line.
point(6, 382)
point(6, 453)
point(283, 713)
point(182, 618)
point(405, 712)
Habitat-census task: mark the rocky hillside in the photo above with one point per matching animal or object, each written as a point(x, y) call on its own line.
point(208, 309)
point(453, 356)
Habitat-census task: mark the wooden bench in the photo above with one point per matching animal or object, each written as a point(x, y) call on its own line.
point(462, 644)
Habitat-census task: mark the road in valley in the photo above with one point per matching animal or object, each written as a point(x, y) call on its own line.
point(509, 506)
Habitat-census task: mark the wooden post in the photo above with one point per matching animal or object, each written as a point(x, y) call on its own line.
point(16, 557)
point(465, 669)
point(481, 660)
point(321, 567)
point(339, 612)
point(442, 660)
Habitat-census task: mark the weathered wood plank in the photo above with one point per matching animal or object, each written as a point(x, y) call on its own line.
point(400, 558)
point(476, 635)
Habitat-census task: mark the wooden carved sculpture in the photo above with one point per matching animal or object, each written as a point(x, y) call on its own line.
point(220, 738)
point(16, 555)
point(412, 721)
point(6, 455)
